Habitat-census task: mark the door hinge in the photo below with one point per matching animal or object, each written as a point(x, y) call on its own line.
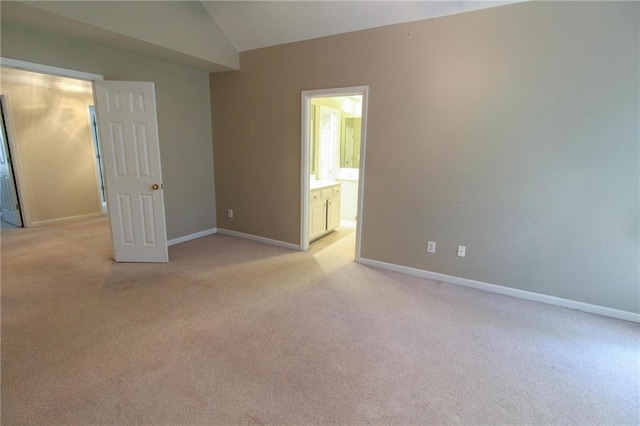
point(17, 206)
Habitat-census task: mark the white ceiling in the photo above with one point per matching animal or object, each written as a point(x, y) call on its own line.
point(255, 24)
point(208, 34)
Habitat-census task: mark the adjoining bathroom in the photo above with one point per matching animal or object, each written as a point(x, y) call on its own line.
point(335, 130)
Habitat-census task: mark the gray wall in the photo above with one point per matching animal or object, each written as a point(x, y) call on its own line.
point(512, 130)
point(184, 115)
point(174, 30)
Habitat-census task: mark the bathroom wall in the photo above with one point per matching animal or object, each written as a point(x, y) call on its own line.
point(348, 107)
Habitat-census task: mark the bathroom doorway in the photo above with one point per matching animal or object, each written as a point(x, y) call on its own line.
point(333, 160)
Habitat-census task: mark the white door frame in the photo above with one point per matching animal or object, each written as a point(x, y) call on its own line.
point(17, 165)
point(307, 95)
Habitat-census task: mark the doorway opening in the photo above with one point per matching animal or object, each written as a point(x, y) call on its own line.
point(128, 124)
point(55, 156)
point(333, 162)
point(10, 211)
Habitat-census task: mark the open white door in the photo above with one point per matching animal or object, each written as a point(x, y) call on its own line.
point(8, 192)
point(128, 129)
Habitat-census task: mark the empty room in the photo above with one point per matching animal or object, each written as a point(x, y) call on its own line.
point(310, 212)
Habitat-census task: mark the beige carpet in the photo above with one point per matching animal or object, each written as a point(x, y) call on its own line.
point(236, 332)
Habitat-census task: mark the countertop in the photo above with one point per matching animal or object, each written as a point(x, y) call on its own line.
point(317, 184)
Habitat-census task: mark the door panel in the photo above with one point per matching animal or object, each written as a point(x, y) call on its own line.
point(333, 213)
point(318, 220)
point(129, 140)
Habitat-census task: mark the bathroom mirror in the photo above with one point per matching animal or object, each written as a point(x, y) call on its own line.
point(312, 139)
point(350, 142)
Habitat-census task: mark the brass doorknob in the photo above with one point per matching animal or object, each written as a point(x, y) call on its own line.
point(155, 186)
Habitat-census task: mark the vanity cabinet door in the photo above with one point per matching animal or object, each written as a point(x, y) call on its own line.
point(333, 213)
point(317, 220)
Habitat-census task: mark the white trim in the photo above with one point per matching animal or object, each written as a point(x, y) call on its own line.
point(304, 173)
point(258, 239)
point(47, 69)
point(361, 169)
point(193, 236)
point(66, 219)
point(493, 288)
point(306, 97)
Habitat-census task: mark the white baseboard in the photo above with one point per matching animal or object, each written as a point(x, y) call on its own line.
point(521, 294)
point(259, 239)
point(66, 219)
point(193, 236)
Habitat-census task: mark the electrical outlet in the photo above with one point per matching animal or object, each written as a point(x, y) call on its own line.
point(431, 246)
point(230, 213)
point(462, 251)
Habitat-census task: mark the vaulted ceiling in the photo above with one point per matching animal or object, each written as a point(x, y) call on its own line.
point(209, 34)
point(255, 24)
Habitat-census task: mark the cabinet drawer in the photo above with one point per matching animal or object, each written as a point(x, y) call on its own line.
point(314, 196)
point(336, 191)
point(326, 193)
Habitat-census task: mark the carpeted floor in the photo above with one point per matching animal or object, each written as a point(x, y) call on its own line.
point(236, 332)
